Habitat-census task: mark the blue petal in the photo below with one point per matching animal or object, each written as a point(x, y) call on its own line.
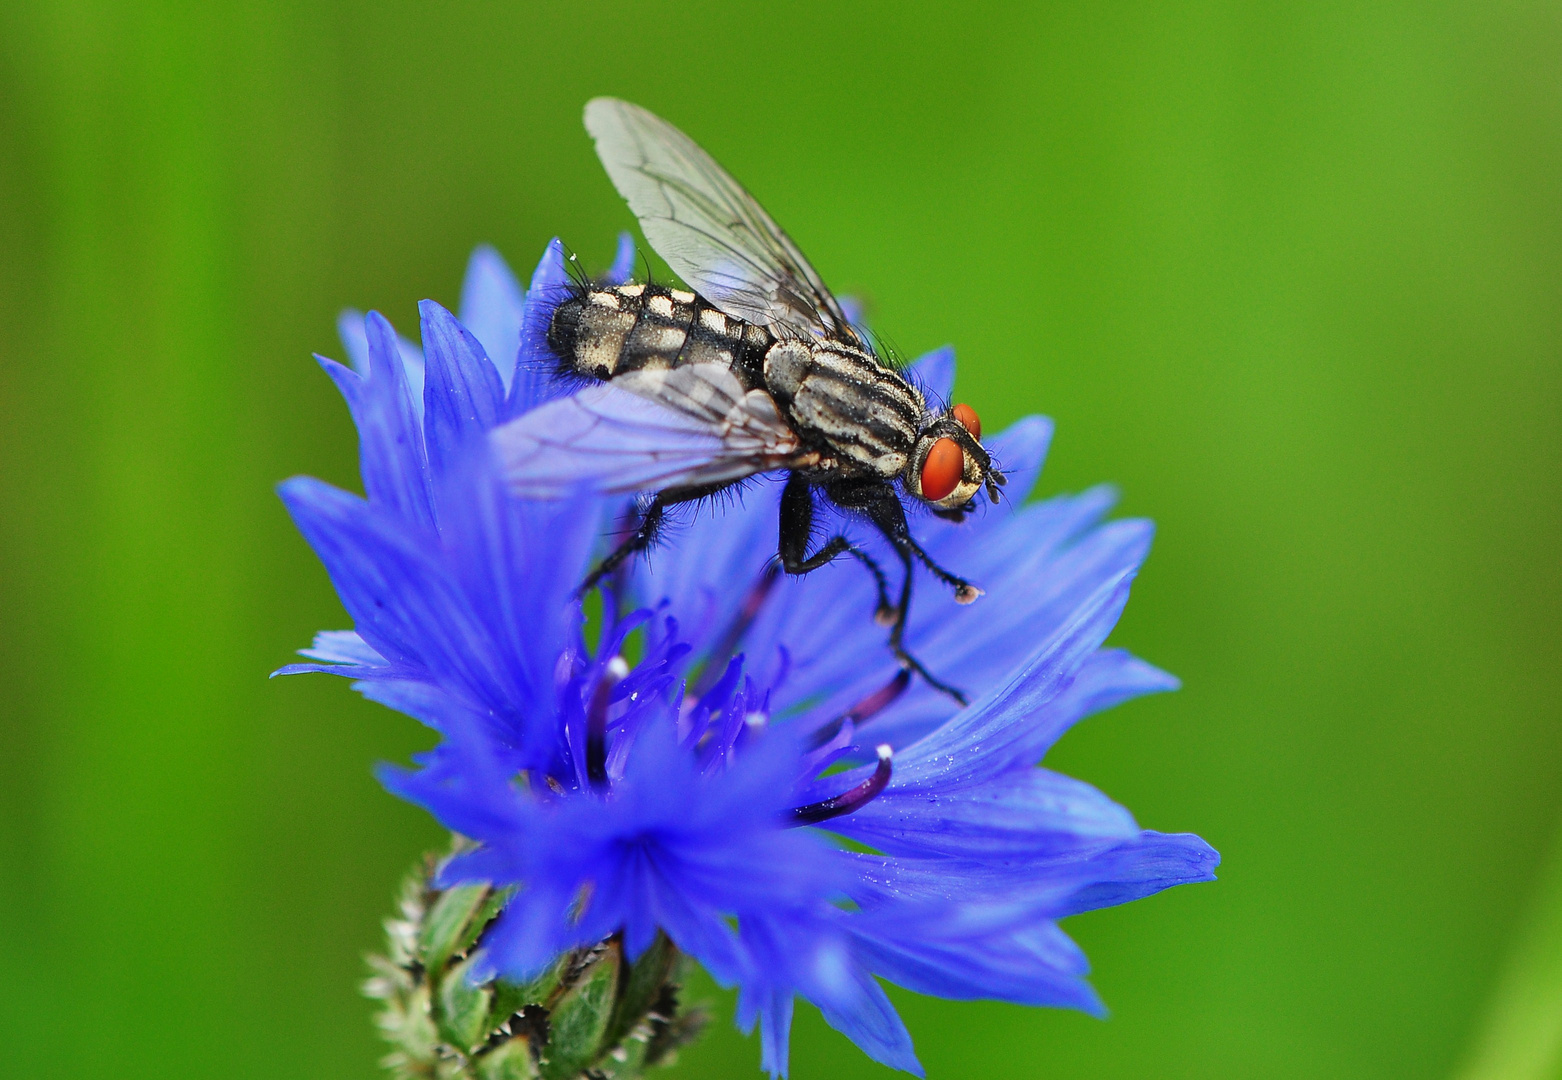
point(423, 701)
point(1038, 886)
point(623, 267)
point(770, 1007)
point(533, 930)
point(348, 671)
point(1028, 813)
point(1107, 678)
point(343, 647)
point(1151, 862)
point(536, 367)
point(403, 602)
point(1033, 963)
point(862, 1012)
point(992, 734)
point(339, 652)
point(390, 439)
point(995, 734)
point(804, 953)
point(934, 373)
point(350, 328)
point(348, 382)
point(491, 307)
point(468, 789)
point(775, 1034)
point(1037, 569)
point(517, 564)
point(388, 477)
point(462, 394)
point(702, 932)
point(334, 524)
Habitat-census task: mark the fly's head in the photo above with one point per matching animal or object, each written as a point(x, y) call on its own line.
point(948, 466)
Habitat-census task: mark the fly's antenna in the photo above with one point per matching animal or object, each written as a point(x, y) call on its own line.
point(997, 489)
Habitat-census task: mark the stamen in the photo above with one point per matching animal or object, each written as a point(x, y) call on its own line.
point(596, 721)
point(847, 801)
point(865, 709)
point(880, 699)
point(728, 642)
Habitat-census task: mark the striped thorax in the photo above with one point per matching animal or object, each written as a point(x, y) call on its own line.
point(846, 398)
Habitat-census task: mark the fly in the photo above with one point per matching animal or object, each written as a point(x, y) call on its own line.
point(757, 369)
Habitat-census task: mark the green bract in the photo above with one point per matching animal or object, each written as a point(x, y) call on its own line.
point(592, 1014)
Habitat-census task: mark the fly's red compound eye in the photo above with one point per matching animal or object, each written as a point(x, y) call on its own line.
point(969, 420)
point(942, 470)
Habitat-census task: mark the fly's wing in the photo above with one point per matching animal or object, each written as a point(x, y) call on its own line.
point(711, 232)
point(646, 431)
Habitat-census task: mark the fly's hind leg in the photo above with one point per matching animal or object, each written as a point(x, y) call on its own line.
point(645, 535)
point(797, 515)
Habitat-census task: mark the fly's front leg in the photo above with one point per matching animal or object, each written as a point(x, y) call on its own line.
point(890, 517)
point(884, 510)
point(797, 517)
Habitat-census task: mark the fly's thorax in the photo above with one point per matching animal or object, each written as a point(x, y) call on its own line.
point(847, 400)
point(607, 331)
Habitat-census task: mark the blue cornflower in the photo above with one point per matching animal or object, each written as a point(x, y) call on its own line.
point(695, 791)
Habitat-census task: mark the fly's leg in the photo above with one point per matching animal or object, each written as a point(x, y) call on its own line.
point(965, 592)
point(646, 533)
point(642, 538)
point(897, 631)
point(883, 508)
point(886, 512)
point(797, 515)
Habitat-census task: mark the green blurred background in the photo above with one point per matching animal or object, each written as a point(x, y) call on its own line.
point(1290, 274)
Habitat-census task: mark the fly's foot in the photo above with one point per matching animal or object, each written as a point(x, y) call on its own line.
point(965, 592)
point(911, 663)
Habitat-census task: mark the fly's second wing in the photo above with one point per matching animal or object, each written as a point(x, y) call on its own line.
point(708, 228)
point(646, 431)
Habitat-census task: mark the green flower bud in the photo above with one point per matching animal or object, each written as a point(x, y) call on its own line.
point(591, 1016)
